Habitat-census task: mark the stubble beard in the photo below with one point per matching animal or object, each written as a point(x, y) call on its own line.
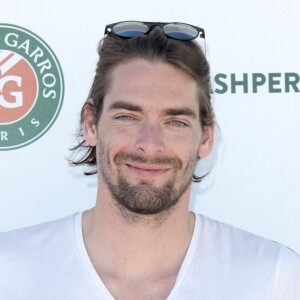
point(144, 201)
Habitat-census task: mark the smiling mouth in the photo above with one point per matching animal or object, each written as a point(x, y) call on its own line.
point(146, 170)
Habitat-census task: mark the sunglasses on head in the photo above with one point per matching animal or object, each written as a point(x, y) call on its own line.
point(177, 31)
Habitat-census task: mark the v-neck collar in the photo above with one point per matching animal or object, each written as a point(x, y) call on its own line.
point(98, 283)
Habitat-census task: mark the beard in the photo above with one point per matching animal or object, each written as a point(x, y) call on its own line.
point(144, 198)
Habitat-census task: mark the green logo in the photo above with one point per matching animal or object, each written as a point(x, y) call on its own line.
point(256, 83)
point(31, 87)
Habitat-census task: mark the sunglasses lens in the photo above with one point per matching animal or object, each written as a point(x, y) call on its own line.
point(180, 31)
point(130, 29)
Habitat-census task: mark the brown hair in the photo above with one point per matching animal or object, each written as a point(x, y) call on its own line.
point(113, 51)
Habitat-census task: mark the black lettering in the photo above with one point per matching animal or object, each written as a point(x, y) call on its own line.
point(235, 83)
point(258, 79)
point(273, 82)
point(291, 80)
point(222, 84)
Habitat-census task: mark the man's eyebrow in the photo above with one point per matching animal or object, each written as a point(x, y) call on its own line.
point(125, 105)
point(183, 111)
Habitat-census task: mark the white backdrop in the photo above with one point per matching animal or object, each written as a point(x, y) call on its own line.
point(254, 183)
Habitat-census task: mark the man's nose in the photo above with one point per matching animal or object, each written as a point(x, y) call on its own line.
point(150, 139)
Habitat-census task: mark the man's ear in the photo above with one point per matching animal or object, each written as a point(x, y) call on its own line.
point(207, 142)
point(89, 125)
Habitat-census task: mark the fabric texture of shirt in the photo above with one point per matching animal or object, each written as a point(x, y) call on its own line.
point(50, 262)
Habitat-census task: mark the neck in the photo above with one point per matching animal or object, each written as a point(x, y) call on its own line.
point(139, 244)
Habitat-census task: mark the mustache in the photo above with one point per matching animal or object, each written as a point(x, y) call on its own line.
point(156, 160)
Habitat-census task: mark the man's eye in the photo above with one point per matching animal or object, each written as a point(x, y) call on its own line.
point(178, 123)
point(124, 118)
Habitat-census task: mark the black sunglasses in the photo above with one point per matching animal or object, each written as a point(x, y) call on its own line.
point(177, 31)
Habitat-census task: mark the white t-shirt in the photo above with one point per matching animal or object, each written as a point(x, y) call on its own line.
point(50, 262)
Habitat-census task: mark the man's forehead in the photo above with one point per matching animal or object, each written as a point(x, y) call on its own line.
point(153, 83)
point(150, 69)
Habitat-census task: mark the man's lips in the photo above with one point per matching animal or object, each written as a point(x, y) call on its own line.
point(137, 161)
point(146, 169)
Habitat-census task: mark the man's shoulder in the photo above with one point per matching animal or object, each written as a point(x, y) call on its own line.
point(34, 238)
point(243, 243)
point(230, 263)
point(44, 262)
point(223, 232)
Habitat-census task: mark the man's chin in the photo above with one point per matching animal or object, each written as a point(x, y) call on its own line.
point(147, 205)
point(142, 183)
point(146, 198)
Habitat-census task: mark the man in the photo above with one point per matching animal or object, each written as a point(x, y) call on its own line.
point(146, 123)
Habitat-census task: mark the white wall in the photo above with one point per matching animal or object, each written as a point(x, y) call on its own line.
point(255, 180)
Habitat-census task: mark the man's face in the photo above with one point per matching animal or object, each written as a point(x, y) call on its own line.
point(149, 136)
